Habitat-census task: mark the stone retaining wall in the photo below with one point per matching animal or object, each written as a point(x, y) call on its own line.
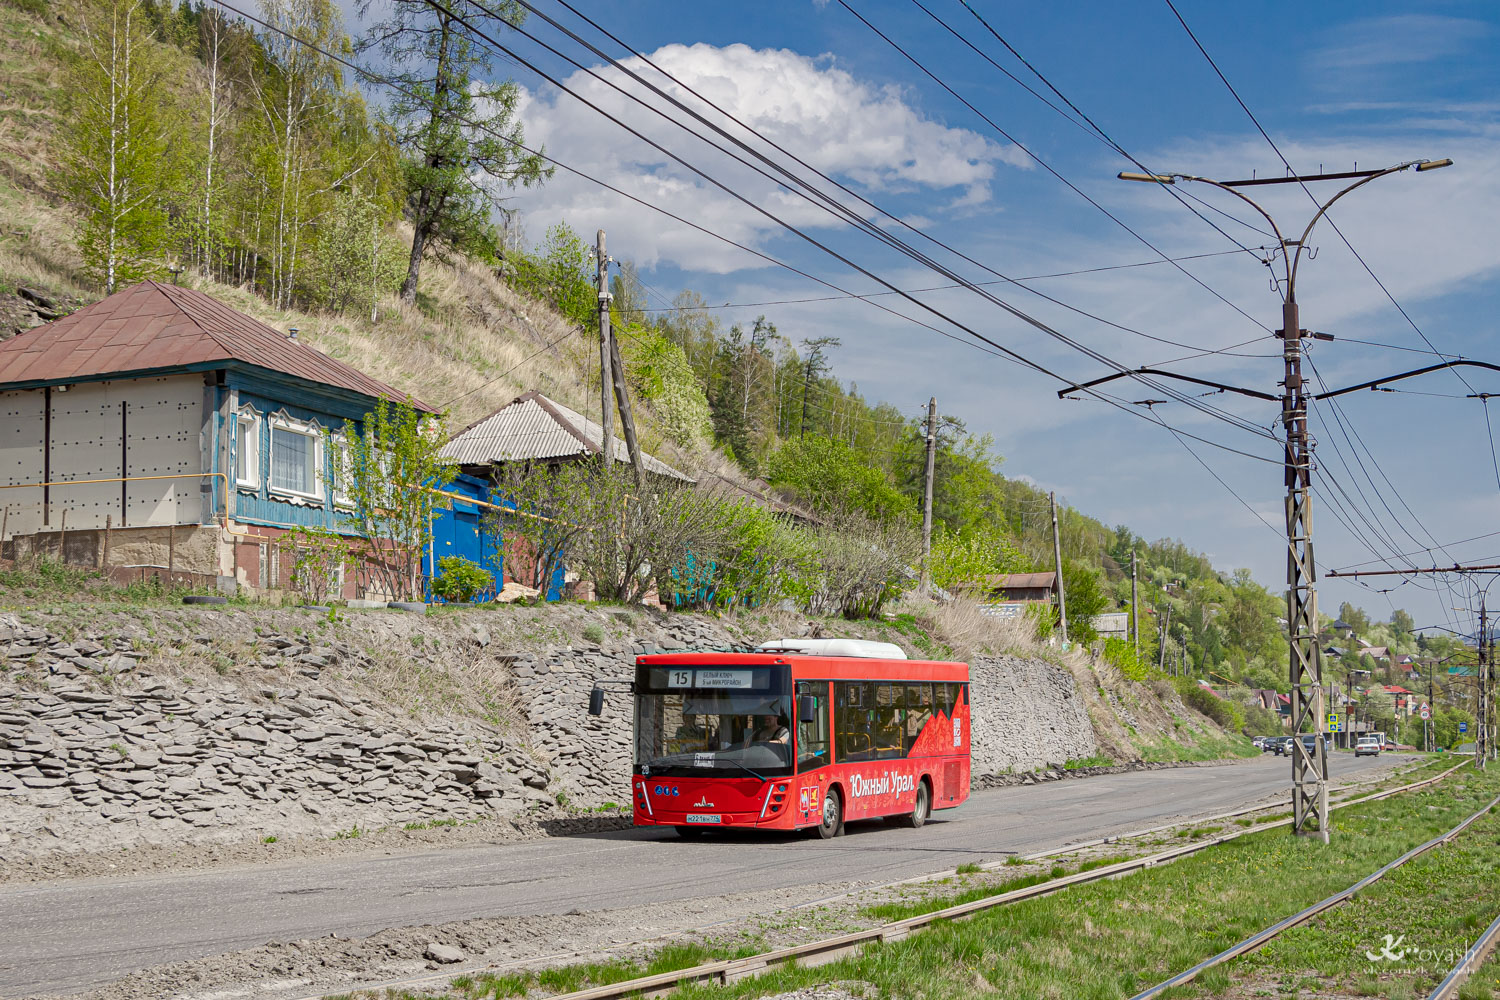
point(104, 744)
point(1027, 714)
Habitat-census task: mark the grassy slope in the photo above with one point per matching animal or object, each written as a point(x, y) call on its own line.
point(470, 335)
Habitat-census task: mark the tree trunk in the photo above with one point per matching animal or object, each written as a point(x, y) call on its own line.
point(418, 241)
point(422, 223)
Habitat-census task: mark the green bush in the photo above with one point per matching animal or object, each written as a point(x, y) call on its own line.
point(1121, 653)
point(1226, 713)
point(461, 579)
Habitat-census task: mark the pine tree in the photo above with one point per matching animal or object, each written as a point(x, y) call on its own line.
point(116, 162)
point(455, 129)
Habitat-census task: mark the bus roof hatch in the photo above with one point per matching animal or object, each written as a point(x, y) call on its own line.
point(835, 647)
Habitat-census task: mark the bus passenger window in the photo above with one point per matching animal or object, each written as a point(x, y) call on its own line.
point(853, 706)
point(918, 711)
point(812, 730)
point(947, 696)
point(889, 719)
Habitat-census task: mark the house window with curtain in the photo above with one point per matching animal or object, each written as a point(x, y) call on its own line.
point(296, 458)
point(343, 480)
point(247, 449)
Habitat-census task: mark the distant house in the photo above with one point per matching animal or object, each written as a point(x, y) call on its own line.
point(1010, 587)
point(1266, 698)
point(535, 428)
point(531, 431)
point(159, 431)
point(1113, 625)
point(1406, 700)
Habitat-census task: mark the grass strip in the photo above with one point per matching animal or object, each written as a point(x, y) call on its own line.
point(1396, 940)
point(1110, 939)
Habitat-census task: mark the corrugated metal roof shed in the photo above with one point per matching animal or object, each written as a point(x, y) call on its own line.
point(153, 327)
point(532, 426)
point(1020, 581)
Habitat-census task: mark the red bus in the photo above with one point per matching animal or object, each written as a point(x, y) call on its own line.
point(801, 734)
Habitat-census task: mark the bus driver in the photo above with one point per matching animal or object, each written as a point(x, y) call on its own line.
point(772, 729)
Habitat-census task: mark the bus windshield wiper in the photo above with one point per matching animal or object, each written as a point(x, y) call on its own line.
point(742, 767)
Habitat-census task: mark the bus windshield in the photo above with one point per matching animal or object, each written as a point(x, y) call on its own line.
point(742, 728)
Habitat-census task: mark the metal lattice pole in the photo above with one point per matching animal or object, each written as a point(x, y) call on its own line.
point(1309, 770)
point(1482, 726)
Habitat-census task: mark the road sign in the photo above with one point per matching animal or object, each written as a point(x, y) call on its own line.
point(1333, 727)
point(1333, 720)
point(1463, 727)
point(1426, 712)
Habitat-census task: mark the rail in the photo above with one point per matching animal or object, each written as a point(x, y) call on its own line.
point(1466, 967)
point(1303, 916)
point(830, 949)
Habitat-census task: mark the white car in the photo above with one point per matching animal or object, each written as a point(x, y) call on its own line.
point(1367, 744)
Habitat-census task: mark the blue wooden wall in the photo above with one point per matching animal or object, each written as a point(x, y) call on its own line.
point(461, 531)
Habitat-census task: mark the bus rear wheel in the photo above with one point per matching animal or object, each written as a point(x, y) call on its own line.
point(923, 808)
point(833, 816)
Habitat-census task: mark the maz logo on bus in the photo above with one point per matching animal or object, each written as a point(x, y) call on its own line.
point(861, 786)
point(665, 791)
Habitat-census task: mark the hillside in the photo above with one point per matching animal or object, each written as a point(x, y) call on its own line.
point(497, 314)
point(470, 345)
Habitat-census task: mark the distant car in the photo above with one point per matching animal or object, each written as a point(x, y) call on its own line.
point(1310, 741)
point(1276, 745)
point(1257, 741)
point(1367, 745)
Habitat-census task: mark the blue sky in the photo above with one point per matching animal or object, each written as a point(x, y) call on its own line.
point(1334, 84)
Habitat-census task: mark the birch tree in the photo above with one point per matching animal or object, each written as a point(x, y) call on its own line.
point(116, 145)
point(217, 45)
point(297, 96)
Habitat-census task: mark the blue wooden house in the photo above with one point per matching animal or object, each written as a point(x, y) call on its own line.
point(160, 431)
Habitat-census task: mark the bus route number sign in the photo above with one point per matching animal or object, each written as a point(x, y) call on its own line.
point(710, 678)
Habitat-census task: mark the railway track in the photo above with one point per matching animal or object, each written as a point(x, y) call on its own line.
point(1254, 941)
point(1468, 965)
point(831, 949)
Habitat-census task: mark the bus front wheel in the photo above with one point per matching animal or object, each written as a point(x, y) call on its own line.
point(923, 808)
point(833, 816)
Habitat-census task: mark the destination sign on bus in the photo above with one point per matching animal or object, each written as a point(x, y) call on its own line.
point(719, 678)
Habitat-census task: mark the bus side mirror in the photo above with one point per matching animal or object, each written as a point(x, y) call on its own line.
point(596, 701)
point(807, 706)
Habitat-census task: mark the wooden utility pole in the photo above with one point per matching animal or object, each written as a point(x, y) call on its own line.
point(606, 379)
point(806, 384)
point(1135, 613)
point(1161, 663)
point(927, 496)
point(1062, 597)
point(627, 417)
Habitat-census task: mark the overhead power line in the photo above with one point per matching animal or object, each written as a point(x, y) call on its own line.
point(788, 180)
point(1290, 170)
point(500, 48)
point(1043, 163)
point(949, 287)
point(993, 349)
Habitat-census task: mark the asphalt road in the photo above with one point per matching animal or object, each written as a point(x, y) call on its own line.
point(69, 935)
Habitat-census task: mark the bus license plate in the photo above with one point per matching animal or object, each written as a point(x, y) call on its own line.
point(703, 817)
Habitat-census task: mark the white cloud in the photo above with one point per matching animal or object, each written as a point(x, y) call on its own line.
point(869, 137)
point(1382, 42)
